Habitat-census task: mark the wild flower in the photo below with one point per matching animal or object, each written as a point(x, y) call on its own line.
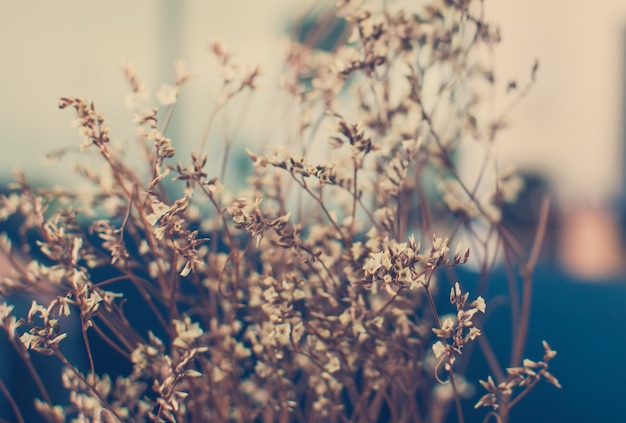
point(313, 293)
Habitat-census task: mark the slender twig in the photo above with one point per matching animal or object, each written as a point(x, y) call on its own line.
point(110, 342)
point(31, 369)
point(90, 386)
point(527, 273)
point(83, 330)
point(11, 401)
point(457, 399)
point(490, 357)
point(166, 120)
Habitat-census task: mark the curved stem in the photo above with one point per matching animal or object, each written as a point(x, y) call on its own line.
point(11, 401)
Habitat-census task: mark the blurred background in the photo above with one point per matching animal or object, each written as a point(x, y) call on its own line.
point(567, 137)
point(570, 131)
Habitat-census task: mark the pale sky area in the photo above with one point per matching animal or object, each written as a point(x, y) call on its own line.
point(569, 127)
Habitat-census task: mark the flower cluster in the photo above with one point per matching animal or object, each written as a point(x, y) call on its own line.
point(90, 124)
point(43, 339)
point(454, 333)
point(304, 296)
point(524, 377)
point(400, 265)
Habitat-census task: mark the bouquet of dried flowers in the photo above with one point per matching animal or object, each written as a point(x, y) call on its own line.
point(310, 295)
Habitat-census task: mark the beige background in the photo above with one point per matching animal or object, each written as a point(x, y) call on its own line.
point(569, 127)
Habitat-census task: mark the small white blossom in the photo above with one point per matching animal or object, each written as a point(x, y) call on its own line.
point(372, 264)
point(187, 332)
point(439, 349)
point(333, 365)
point(167, 95)
point(281, 333)
point(473, 333)
point(136, 100)
point(480, 304)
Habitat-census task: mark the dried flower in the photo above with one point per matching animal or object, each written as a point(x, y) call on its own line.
point(305, 294)
point(167, 95)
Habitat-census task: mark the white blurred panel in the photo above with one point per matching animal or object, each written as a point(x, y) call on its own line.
point(570, 125)
point(67, 48)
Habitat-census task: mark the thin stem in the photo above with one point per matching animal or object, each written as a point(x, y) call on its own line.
point(31, 369)
point(431, 301)
point(83, 331)
point(227, 146)
point(521, 395)
point(116, 324)
point(457, 399)
point(110, 342)
point(12, 403)
point(166, 120)
point(207, 127)
point(370, 216)
point(147, 228)
point(388, 303)
point(355, 195)
point(323, 207)
point(527, 271)
point(490, 357)
point(90, 386)
point(495, 416)
point(142, 286)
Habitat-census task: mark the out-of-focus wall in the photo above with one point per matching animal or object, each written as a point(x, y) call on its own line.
point(74, 48)
point(569, 127)
point(66, 48)
point(571, 124)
